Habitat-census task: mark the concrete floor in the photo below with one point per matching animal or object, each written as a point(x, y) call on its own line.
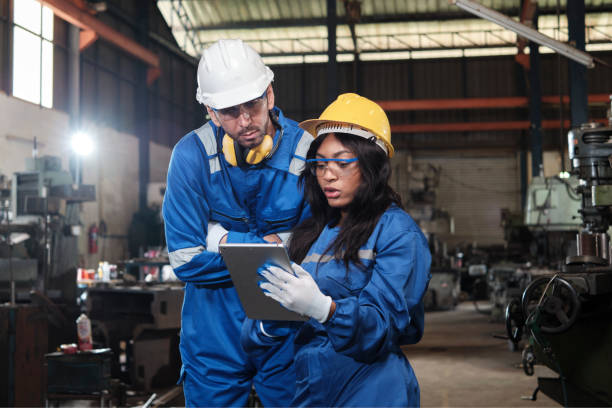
point(459, 363)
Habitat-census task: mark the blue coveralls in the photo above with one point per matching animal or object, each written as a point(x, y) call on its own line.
point(249, 202)
point(355, 358)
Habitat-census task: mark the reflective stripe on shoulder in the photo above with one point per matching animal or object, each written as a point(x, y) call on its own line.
point(366, 254)
point(182, 256)
point(207, 137)
point(297, 163)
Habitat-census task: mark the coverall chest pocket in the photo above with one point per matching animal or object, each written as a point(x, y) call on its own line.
point(278, 221)
point(343, 284)
point(227, 218)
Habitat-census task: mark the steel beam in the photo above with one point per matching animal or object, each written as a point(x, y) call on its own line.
point(332, 62)
point(478, 126)
point(535, 102)
point(478, 103)
point(68, 11)
point(577, 72)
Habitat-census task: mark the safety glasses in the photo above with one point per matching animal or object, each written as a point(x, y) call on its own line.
point(338, 167)
point(252, 107)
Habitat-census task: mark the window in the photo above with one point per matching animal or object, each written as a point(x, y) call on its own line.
point(33, 53)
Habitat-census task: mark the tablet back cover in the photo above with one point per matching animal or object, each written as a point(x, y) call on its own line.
point(242, 261)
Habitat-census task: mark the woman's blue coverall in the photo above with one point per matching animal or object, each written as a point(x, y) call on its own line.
point(250, 203)
point(355, 359)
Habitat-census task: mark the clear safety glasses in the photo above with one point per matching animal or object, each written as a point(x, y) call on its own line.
point(339, 167)
point(252, 107)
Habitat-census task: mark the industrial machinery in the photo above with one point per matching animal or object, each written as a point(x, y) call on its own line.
point(552, 216)
point(444, 287)
point(566, 315)
point(39, 224)
point(536, 241)
point(44, 205)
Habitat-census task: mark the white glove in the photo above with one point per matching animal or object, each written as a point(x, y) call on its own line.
point(214, 235)
point(298, 292)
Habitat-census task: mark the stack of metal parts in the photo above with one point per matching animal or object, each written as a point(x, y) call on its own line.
point(566, 315)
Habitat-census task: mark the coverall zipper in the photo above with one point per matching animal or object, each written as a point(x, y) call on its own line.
point(242, 219)
point(279, 221)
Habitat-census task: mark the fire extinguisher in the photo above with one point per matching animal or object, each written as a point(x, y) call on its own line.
point(93, 239)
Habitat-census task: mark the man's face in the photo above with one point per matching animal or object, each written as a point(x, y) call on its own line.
point(248, 122)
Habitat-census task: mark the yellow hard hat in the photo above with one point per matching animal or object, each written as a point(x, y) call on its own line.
point(353, 114)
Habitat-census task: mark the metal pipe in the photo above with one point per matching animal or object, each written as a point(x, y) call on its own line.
point(478, 103)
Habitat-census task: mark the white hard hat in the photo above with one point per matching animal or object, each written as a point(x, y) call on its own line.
point(230, 73)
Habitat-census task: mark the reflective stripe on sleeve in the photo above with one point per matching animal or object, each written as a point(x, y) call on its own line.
point(182, 256)
point(207, 137)
point(366, 254)
point(297, 163)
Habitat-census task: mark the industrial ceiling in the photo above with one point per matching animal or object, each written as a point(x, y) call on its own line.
point(292, 31)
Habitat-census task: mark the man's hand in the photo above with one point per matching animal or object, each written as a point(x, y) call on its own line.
point(296, 290)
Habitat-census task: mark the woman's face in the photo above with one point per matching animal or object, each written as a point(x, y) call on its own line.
point(339, 180)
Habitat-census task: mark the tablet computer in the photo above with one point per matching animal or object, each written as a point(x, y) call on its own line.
point(242, 261)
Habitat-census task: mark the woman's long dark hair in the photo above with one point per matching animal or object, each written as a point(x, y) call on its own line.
point(371, 200)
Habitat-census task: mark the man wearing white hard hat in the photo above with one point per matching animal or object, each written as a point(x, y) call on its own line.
point(232, 180)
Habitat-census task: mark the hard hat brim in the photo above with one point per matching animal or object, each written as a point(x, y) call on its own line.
point(311, 126)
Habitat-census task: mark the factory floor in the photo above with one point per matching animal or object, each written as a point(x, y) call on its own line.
point(459, 363)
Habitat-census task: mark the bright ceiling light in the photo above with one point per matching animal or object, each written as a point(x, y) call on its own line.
point(524, 31)
point(82, 144)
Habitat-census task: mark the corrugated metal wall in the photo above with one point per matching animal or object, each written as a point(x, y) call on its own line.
point(473, 188)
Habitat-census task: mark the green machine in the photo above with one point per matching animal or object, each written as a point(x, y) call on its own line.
point(553, 204)
point(567, 315)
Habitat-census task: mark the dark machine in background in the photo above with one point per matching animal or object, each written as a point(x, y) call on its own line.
point(141, 325)
point(567, 315)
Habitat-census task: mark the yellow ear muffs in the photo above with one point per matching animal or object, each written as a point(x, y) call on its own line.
point(259, 153)
point(254, 156)
point(228, 150)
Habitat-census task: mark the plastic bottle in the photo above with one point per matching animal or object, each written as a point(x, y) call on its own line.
point(105, 271)
point(84, 332)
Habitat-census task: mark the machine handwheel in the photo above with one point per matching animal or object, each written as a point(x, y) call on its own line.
point(559, 306)
point(514, 321)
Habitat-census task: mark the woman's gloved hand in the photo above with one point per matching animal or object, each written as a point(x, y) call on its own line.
point(296, 290)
